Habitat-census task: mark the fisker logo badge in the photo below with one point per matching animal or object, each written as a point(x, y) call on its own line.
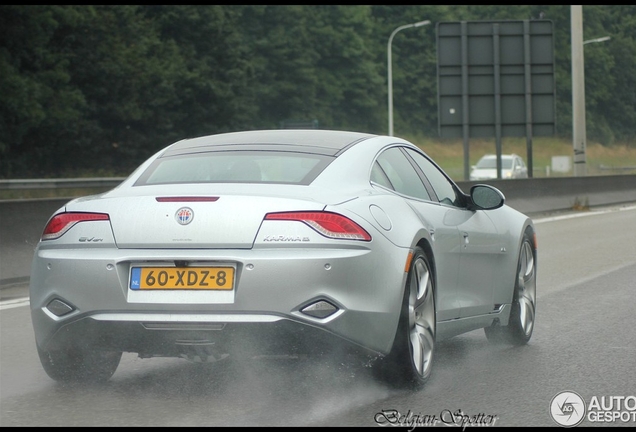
point(184, 215)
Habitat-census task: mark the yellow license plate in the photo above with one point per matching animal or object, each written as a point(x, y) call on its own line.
point(182, 278)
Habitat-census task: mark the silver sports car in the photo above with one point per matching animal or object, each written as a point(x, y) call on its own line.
point(281, 241)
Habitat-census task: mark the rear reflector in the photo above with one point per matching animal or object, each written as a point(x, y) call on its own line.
point(187, 199)
point(320, 309)
point(329, 224)
point(62, 222)
point(59, 308)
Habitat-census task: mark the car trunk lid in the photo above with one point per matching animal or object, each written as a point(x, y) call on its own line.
point(215, 222)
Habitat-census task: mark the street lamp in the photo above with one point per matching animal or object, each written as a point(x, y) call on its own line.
point(601, 39)
point(390, 72)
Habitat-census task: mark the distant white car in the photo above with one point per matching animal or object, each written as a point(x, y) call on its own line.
point(512, 166)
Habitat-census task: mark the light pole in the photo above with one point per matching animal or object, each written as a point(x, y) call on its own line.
point(579, 137)
point(579, 132)
point(389, 67)
point(578, 91)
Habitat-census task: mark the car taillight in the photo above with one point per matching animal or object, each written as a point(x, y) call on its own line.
point(60, 223)
point(329, 224)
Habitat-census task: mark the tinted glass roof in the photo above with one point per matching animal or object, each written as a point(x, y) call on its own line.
point(327, 142)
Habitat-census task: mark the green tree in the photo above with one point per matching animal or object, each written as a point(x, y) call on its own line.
point(40, 108)
point(614, 64)
point(99, 88)
point(215, 85)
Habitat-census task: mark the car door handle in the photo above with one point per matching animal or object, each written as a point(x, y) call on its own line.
point(465, 235)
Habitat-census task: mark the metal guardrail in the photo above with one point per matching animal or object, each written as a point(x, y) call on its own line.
point(616, 168)
point(99, 182)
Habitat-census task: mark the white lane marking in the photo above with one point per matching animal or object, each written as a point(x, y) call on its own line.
point(589, 213)
point(14, 303)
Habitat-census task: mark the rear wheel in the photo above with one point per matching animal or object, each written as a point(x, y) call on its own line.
point(80, 365)
point(522, 314)
point(411, 359)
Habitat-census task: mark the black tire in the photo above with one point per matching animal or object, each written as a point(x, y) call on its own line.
point(410, 361)
point(524, 300)
point(79, 365)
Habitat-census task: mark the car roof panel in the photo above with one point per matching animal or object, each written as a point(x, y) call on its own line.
point(327, 142)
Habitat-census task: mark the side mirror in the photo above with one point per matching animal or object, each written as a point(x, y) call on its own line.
point(486, 197)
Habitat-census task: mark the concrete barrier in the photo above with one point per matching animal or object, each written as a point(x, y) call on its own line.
point(547, 194)
point(22, 221)
point(21, 224)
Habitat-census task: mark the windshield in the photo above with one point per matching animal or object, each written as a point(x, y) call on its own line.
point(491, 163)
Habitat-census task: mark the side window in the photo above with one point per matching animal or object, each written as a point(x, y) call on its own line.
point(400, 173)
point(444, 189)
point(379, 176)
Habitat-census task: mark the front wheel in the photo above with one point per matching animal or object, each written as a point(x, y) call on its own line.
point(411, 359)
point(79, 365)
point(524, 300)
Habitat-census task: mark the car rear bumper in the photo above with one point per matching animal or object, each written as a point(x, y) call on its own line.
point(200, 341)
point(92, 303)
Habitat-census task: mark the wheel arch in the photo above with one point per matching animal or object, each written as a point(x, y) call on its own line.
point(428, 250)
point(527, 228)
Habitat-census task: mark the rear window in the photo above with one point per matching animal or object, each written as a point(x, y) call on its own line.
point(236, 167)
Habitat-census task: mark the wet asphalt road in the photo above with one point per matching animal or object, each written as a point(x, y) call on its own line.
point(585, 341)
